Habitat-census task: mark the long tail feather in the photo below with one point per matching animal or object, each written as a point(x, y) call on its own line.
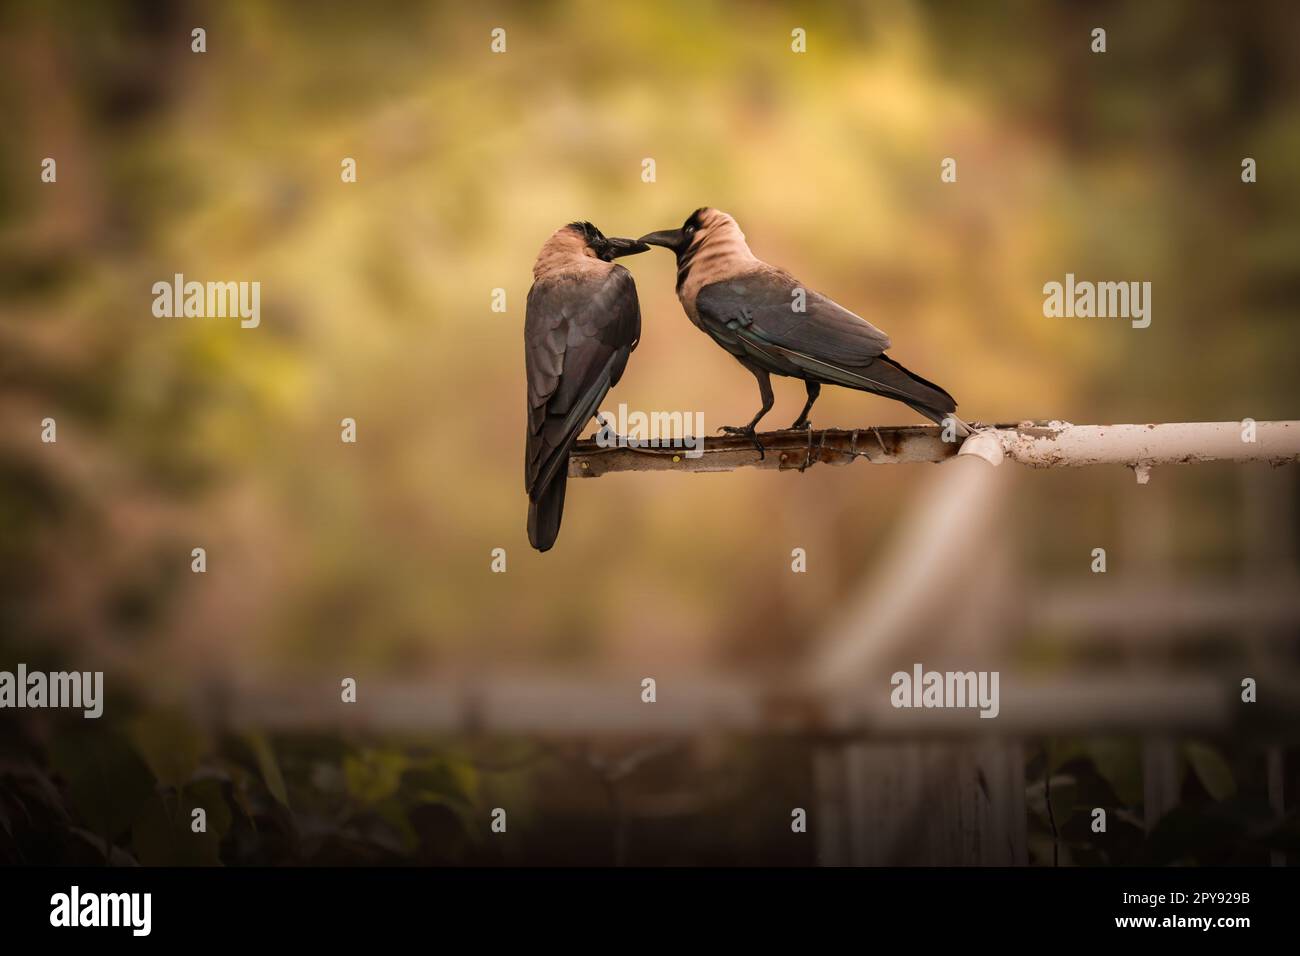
point(545, 512)
point(911, 386)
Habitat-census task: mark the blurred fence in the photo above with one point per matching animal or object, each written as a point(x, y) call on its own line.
point(938, 786)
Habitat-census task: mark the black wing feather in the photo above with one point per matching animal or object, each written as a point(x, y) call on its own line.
point(578, 334)
point(754, 318)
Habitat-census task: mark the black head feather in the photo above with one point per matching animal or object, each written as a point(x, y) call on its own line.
point(588, 231)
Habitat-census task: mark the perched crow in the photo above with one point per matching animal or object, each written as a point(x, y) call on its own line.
point(772, 323)
point(582, 323)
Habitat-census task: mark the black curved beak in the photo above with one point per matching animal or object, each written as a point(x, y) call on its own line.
point(673, 239)
point(615, 247)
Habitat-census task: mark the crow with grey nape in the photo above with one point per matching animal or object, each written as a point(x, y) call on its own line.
point(773, 324)
point(582, 323)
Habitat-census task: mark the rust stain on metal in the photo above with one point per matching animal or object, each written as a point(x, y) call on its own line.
point(1041, 431)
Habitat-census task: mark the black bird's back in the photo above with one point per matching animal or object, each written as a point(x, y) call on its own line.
point(581, 325)
point(769, 320)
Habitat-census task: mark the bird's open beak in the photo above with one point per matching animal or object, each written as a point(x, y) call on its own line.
point(672, 239)
point(615, 247)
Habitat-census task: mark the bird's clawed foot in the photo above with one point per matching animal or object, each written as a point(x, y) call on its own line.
point(749, 432)
point(802, 424)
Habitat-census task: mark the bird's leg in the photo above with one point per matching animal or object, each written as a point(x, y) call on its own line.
point(814, 389)
point(765, 390)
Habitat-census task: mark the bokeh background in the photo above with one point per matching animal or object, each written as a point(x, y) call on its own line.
point(372, 560)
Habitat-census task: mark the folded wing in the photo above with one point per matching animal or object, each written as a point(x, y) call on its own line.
point(769, 319)
point(578, 334)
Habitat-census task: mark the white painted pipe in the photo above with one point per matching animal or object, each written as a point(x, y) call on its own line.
point(1063, 445)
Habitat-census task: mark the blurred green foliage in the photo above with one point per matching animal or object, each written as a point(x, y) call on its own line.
point(101, 796)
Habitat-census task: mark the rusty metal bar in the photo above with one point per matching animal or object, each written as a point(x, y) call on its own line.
point(1036, 444)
